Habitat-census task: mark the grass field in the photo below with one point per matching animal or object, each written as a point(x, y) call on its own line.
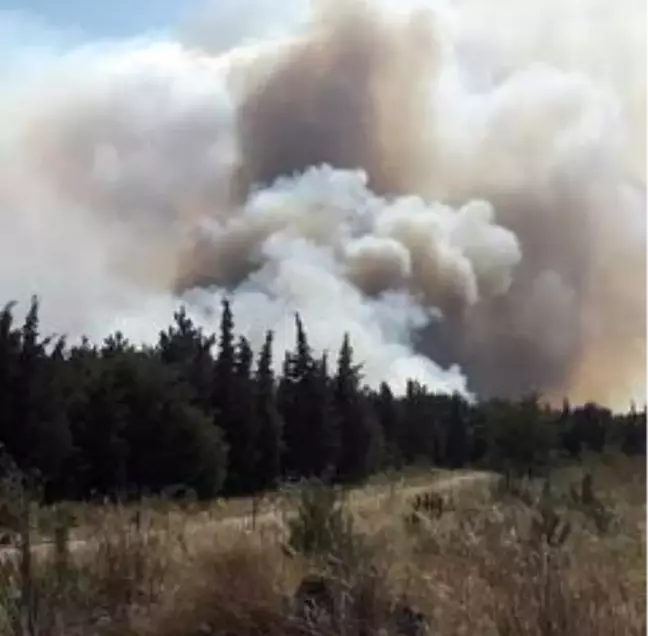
point(526, 559)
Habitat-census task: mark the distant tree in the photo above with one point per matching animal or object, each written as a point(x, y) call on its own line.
point(185, 347)
point(170, 442)
point(521, 436)
point(10, 346)
point(137, 431)
point(270, 424)
point(634, 433)
point(34, 427)
point(122, 420)
point(417, 436)
point(387, 412)
point(591, 423)
point(568, 431)
point(311, 440)
point(360, 435)
point(479, 437)
point(241, 430)
point(100, 423)
point(457, 445)
point(224, 367)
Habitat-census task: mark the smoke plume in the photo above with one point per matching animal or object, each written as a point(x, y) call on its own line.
point(459, 186)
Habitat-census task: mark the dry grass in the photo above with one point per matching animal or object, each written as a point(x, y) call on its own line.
point(480, 568)
point(236, 591)
point(192, 515)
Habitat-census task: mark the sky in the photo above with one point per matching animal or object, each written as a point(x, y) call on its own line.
point(115, 19)
point(32, 30)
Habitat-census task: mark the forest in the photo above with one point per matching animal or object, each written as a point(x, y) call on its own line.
point(205, 414)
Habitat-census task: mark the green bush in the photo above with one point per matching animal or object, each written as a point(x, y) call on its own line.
point(321, 527)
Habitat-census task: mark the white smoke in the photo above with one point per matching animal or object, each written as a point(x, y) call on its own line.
point(109, 171)
point(116, 156)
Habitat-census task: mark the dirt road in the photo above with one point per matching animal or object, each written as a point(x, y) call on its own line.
point(367, 498)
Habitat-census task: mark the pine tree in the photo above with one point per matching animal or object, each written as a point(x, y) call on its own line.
point(297, 367)
point(326, 433)
point(633, 441)
point(25, 387)
point(269, 443)
point(242, 431)
point(592, 422)
point(414, 433)
point(118, 419)
point(386, 410)
point(457, 451)
point(185, 347)
point(99, 419)
point(143, 434)
point(569, 431)
point(359, 433)
point(224, 391)
point(310, 448)
point(521, 435)
point(10, 426)
point(43, 439)
point(224, 367)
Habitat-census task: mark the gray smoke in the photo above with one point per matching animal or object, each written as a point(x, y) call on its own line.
point(461, 190)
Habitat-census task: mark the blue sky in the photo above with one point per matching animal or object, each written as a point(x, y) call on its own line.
point(29, 28)
point(90, 19)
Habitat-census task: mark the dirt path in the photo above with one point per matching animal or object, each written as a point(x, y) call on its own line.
point(364, 499)
point(367, 498)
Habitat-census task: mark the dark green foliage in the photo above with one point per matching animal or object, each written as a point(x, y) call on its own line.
point(138, 429)
point(241, 422)
point(33, 420)
point(591, 423)
point(188, 349)
point(311, 436)
point(120, 420)
point(633, 440)
point(387, 412)
point(571, 439)
point(360, 433)
point(267, 468)
point(224, 367)
point(418, 435)
point(521, 436)
point(457, 449)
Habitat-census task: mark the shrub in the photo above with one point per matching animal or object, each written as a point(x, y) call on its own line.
point(321, 526)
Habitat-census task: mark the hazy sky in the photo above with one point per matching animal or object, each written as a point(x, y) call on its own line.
point(113, 19)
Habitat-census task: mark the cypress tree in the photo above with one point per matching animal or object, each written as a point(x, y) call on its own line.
point(569, 431)
point(223, 390)
point(310, 448)
point(633, 440)
point(387, 412)
point(359, 433)
point(43, 441)
point(186, 348)
point(269, 443)
point(414, 431)
point(326, 433)
point(224, 366)
point(242, 431)
point(457, 451)
point(10, 427)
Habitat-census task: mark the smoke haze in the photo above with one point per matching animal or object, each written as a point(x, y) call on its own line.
point(458, 185)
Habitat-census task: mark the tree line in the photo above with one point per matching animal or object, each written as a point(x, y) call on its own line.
point(204, 412)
